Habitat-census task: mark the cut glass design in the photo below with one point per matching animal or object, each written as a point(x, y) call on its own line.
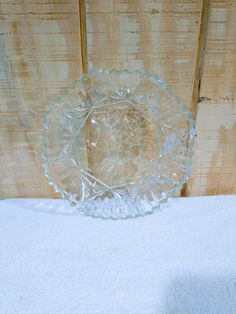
point(117, 144)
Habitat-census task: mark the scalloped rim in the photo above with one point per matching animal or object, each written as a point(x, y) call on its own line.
point(57, 103)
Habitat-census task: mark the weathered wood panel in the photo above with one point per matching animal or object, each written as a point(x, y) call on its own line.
point(219, 76)
point(160, 36)
point(215, 150)
point(40, 56)
point(214, 166)
point(163, 36)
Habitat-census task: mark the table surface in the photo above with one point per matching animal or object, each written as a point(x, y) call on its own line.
point(181, 260)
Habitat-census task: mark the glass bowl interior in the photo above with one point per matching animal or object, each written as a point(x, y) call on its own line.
point(117, 144)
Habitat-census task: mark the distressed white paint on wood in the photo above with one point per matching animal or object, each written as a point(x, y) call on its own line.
point(214, 165)
point(219, 76)
point(39, 57)
point(214, 170)
point(160, 36)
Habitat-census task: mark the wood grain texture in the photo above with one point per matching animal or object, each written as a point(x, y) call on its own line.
point(160, 36)
point(218, 82)
point(214, 164)
point(201, 45)
point(202, 38)
point(40, 56)
point(44, 46)
point(83, 35)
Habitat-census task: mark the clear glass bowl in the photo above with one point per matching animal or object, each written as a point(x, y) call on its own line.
point(117, 144)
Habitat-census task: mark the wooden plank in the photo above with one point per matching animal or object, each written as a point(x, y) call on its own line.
point(199, 65)
point(83, 36)
point(159, 36)
point(167, 37)
point(84, 57)
point(219, 76)
point(40, 56)
point(200, 56)
point(214, 164)
point(214, 170)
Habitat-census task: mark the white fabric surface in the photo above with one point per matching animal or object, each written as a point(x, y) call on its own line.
point(181, 260)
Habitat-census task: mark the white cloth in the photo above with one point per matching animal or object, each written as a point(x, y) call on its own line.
point(181, 260)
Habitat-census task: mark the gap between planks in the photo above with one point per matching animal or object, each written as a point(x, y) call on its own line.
point(84, 58)
point(83, 35)
point(202, 38)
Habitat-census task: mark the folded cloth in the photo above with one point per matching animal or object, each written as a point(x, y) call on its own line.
point(181, 260)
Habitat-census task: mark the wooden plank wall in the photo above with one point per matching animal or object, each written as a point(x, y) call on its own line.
point(40, 54)
point(214, 165)
point(160, 36)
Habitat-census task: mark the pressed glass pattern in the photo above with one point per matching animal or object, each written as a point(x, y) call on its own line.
point(117, 144)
